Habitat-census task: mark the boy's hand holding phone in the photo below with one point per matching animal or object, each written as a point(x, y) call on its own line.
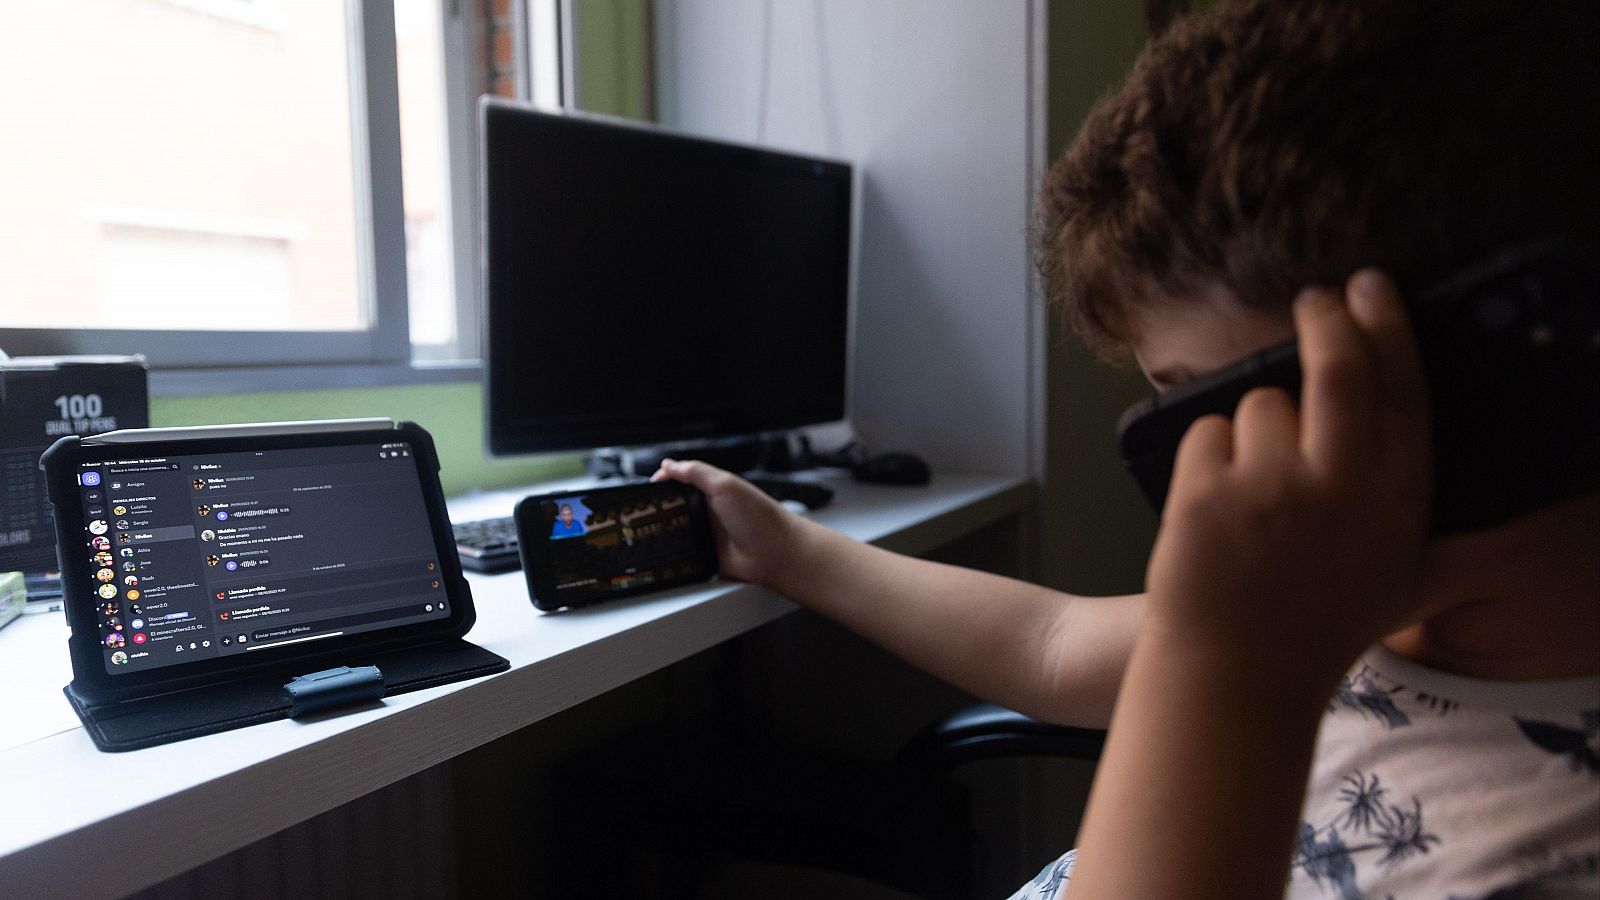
point(753, 533)
point(1293, 539)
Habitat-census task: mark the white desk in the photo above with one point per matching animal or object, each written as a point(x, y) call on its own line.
point(69, 808)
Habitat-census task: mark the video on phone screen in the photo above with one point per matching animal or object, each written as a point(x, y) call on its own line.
point(605, 542)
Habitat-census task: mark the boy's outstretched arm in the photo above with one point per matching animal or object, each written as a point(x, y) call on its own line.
point(1050, 655)
point(1291, 542)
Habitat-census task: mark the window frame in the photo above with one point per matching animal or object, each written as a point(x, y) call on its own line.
point(381, 251)
point(541, 36)
point(215, 362)
point(458, 32)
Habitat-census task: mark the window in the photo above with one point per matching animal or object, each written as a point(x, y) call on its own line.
point(194, 186)
point(171, 275)
point(221, 183)
point(435, 329)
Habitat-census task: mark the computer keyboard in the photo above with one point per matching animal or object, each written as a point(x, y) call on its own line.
point(488, 545)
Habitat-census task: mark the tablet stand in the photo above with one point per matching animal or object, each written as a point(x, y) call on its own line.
point(264, 697)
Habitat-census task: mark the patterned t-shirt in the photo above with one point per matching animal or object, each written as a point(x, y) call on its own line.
point(1431, 786)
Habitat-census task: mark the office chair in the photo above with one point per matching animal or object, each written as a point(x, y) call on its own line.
point(680, 808)
point(987, 731)
point(927, 855)
point(933, 859)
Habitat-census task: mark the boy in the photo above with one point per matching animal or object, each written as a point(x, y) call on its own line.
point(1312, 690)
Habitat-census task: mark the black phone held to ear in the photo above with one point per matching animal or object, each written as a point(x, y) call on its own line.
point(1511, 350)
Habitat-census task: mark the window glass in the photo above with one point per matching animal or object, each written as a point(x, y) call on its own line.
point(178, 164)
point(419, 56)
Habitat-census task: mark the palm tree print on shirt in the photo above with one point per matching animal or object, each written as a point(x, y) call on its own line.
point(1581, 746)
point(1047, 884)
point(1367, 824)
point(1362, 693)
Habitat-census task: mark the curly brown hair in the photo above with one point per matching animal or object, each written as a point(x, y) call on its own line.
point(1273, 144)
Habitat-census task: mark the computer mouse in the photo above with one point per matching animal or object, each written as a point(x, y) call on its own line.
point(893, 468)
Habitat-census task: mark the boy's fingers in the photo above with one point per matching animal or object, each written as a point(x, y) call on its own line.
point(1206, 448)
point(705, 477)
point(1338, 402)
point(667, 470)
point(1376, 307)
point(1266, 427)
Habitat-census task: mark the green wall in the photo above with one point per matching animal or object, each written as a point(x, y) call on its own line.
point(1097, 527)
point(614, 59)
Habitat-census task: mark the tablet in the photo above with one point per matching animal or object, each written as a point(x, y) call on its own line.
point(192, 555)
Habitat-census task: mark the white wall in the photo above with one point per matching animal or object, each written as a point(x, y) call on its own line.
point(940, 107)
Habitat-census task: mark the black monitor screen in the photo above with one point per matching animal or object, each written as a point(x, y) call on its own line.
point(645, 287)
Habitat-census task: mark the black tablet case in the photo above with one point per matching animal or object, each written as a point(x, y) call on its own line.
point(148, 721)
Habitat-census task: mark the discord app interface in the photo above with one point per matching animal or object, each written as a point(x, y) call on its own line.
point(198, 556)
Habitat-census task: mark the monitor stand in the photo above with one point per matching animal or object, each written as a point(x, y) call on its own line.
point(776, 452)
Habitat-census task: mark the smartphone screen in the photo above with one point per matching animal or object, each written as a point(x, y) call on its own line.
point(582, 547)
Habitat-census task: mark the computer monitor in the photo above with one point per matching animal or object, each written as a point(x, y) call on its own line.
point(648, 288)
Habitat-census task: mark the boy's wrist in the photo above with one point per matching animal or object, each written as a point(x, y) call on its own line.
point(801, 557)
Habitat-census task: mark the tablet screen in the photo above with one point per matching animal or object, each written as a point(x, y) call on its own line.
point(194, 557)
